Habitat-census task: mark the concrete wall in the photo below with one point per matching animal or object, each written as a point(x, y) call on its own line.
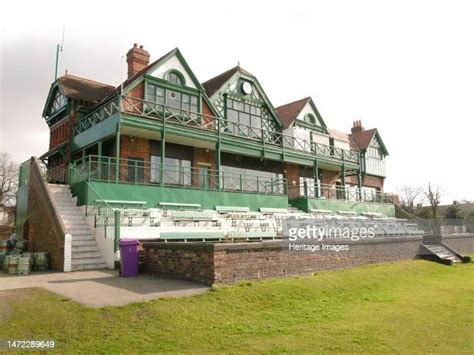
point(223, 263)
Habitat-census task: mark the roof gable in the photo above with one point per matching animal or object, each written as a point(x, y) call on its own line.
point(172, 60)
point(297, 110)
point(74, 88)
point(365, 138)
point(230, 82)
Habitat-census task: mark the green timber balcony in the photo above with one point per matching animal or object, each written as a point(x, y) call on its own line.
point(342, 198)
point(137, 114)
point(136, 180)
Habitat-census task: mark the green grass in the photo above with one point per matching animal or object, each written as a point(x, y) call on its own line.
point(410, 306)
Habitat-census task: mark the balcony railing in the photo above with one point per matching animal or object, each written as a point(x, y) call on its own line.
point(128, 171)
point(348, 193)
point(174, 116)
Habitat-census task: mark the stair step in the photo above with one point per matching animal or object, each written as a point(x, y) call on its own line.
point(83, 243)
point(89, 267)
point(86, 255)
point(84, 261)
point(85, 248)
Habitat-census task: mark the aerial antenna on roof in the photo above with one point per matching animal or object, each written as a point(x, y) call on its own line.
point(59, 48)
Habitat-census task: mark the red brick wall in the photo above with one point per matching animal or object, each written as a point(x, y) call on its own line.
point(292, 175)
point(44, 234)
point(222, 263)
point(135, 106)
point(134, 147)
point(371, 181)
point(329, 177)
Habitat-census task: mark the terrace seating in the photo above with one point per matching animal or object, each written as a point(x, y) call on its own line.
point(193, 236)
point(121, 203)
point(347, 213)
point(317, 211)
point(227, 209)
point(252, 235)
point(266, 210)
point(193, 216)
point(372, 214)
point(179, 206)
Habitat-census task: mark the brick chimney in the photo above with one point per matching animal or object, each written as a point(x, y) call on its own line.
point(357, 126)
point(137, 59)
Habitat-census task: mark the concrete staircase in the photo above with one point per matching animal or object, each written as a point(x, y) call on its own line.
point(443, 253)
point(85, 251)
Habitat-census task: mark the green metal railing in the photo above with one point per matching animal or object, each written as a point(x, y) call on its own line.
point(343, 193)
point(104, 214)
point(174, 116)
point(113, 170)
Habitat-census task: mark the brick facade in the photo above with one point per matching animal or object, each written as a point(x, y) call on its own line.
point(44, 234)
point(223, 263)
point(292, 175)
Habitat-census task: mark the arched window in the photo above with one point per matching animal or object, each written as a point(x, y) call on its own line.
point(175, 77)
point(309, 118)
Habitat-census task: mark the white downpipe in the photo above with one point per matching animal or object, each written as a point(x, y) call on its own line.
point(67, 253)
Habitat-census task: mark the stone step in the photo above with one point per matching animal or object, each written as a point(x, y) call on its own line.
point(84, 243)
point(85, 248)
point(85, 255)
point(90, 260)
point(78, 237)
point(89, 267)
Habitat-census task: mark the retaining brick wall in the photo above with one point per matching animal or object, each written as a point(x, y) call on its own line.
point(44, 234)
point(463, 244)
point(223, 263)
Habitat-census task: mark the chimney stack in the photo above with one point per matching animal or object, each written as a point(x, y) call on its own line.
point(137, 59)
point(357, 126)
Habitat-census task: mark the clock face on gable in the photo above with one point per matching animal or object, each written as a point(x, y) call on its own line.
point(246, 88)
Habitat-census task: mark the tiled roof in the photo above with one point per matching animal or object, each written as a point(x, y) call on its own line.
point(214, 84)
point(77, 88)
point(362, 139)
point(289, 112)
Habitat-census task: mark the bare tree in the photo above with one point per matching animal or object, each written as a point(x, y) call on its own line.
point(433, 194)
point(410, 196)
point(8, 179)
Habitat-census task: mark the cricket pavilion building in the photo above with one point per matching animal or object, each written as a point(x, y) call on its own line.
point(164, 156)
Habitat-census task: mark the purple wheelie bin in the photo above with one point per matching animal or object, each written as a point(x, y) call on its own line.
point(128, 257)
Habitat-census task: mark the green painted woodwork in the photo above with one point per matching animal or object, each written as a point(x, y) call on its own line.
point(155, 194)
point(101, 130)
point(387, 209)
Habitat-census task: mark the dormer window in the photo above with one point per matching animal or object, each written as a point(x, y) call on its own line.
point(309, 118)
point(175, 77)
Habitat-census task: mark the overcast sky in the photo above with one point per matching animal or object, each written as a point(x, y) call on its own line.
point(405, 67)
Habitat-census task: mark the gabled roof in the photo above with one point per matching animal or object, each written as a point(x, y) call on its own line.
point(177, 52)
point(362, 139)
point(77, 88)
point(289, 112)
point(214, 84)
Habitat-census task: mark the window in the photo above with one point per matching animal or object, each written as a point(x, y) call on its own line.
point(247, 118)
point(175, 77)
point(136, 169)
point(309, 118)
point(176, 171)
point(172, 98)
point(246, 180)
point(309, 186)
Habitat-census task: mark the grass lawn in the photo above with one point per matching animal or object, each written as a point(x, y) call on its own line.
point(409, 306)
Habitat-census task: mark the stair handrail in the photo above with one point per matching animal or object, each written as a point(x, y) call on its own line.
point(36, 168)
point(114, 212)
